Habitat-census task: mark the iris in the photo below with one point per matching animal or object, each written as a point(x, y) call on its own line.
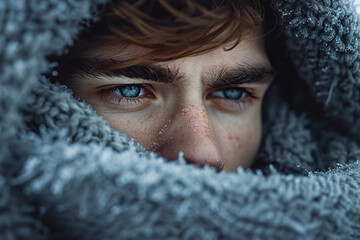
point(233, 93)
point(130, 91)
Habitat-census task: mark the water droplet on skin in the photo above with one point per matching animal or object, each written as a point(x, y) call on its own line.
point(154, 146)
point(162, 129)
point(184, 110)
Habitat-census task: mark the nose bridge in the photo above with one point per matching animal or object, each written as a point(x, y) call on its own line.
point(191, 132)
point(195, 120)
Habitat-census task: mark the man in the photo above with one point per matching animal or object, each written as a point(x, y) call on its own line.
point(65, 173)
point(178, 76)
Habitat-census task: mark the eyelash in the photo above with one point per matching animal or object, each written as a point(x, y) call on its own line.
point(235, 105)
point(109, 96)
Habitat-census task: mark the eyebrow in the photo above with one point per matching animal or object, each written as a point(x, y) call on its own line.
point(241, 74)
point(95, 67)
point(217, 78)
point(149, 72)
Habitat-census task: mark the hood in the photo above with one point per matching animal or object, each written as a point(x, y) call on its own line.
point(66, 174)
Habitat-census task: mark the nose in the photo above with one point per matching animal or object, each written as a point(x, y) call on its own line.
point(190, 132)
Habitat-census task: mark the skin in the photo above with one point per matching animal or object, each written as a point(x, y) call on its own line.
point(186, 115)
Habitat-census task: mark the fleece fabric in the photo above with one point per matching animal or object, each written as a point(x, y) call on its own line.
point(66, 174)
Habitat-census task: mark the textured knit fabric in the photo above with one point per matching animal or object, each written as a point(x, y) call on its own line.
point(66, 174)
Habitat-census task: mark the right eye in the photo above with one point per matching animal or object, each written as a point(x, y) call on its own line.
point(230, 93)
point(129, 91)
point(132, 95)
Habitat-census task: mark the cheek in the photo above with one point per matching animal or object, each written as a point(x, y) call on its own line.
point(239, 141)
point(240, 138)
point(143, 128)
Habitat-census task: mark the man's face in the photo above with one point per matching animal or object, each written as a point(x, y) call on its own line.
point(207, 106)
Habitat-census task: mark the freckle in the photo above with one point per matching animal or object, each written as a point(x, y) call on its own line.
point(237, 139)
point(230, 138)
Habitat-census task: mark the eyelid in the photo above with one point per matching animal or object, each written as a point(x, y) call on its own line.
point(105, 82)
point(107, 96)
point(111, 87)
point(248, 91)
point(233, 105)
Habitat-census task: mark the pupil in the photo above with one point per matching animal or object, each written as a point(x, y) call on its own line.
point(130, 91)
point(233, 94)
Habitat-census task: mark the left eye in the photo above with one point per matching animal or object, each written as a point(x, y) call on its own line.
point(230, 93)
point(129, 91)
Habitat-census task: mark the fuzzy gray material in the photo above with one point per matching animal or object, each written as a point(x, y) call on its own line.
point(66, 174)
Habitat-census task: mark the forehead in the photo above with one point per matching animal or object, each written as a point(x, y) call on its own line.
point(250, 51)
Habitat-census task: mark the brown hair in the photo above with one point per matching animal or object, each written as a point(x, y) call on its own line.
point(172, 29)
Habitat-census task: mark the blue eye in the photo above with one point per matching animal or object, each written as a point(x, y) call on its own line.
point(230, 93)
point(129, 91)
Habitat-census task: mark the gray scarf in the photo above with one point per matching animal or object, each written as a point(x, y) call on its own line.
point(66, 174)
